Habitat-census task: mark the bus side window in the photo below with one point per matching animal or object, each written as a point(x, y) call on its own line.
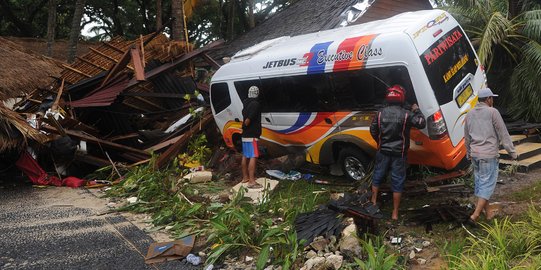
point(219, 97)
point(273, 96)
point(243, 86)
point(399, 75)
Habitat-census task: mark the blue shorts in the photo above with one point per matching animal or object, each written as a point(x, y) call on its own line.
point(397, 166)
point(485, 173)
point(250, 147)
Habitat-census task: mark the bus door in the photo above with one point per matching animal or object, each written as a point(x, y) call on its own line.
point(452, 70)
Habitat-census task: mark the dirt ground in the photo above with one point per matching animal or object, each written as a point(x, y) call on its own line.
point(505, 194)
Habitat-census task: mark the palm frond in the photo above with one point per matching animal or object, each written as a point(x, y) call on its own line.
point(495, 32)
point(526, 85)
point(532, 24)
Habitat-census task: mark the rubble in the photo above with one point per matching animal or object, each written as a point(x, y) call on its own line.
point(124, 101)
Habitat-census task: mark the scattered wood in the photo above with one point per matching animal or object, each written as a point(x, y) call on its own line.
point(121, 112)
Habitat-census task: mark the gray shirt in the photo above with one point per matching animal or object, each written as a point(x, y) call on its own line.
point(484, 131)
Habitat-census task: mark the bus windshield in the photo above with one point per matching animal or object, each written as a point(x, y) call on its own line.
point(447, 62)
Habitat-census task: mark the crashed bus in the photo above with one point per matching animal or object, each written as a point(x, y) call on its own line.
point(319, 92)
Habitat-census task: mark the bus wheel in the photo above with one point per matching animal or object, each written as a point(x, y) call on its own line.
point(354, 163)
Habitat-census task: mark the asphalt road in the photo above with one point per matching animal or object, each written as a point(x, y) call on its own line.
point(61, 228)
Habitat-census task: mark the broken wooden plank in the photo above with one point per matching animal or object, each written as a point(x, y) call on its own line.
point(164, 144)
point(121, 64)
point(173, 64)
point(76, 71)
point(139, 70)
point(54, 107)
point(103, 143)
point(112, 59)
point(174, 149)
point(211, 61)
point(92, 63)
point(443, 187)
point(92, 160)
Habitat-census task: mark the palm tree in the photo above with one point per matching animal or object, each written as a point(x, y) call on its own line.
point(507, 36)
point(51, 25)
point(75, 29)
point(177, 9)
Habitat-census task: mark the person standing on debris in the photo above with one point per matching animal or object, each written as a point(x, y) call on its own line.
point(251, 131)
point(484, 132)
point(391, 130)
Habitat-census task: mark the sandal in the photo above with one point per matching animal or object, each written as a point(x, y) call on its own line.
point(255, 186)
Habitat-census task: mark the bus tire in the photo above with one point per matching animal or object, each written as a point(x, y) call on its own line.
point(354, 163)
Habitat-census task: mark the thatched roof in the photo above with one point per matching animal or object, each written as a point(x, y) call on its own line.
point(15, 131)
point(60, 46)
point(23, 70)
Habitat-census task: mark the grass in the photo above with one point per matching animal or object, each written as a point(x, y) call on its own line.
point(530, 193)
point(504, 244)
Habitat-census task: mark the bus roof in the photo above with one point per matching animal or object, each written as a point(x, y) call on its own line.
point(248, 62)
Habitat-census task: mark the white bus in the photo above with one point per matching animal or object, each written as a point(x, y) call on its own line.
point(320, 91)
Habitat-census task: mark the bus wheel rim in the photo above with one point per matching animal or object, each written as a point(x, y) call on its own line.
point(354, 168)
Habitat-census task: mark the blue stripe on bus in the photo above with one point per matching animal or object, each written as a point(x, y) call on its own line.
point(315, 67)
point(301, 121)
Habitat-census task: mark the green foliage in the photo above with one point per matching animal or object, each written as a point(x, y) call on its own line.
point(505, 245)
point(452, 252)
point(508, 44)
point(240, 225)
point(235, 228)
point(376, 257)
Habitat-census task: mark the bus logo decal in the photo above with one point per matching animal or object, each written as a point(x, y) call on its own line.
point(437, 21)
point(360, 49)
point(314, 66)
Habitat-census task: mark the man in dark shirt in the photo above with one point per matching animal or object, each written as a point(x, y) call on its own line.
point(251, 131)
point(391, 130)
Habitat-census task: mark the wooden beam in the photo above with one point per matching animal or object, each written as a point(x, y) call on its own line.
point(174, 149)
point(121, 64)
point(91, 63)
point(92, 160)
point(58, 95)
point(113, 47)
point(102, 143)
point(112, 59)
point(173, 64)
point(211, 61)
point(76, 71)
point(164, 144)
point(137, 64)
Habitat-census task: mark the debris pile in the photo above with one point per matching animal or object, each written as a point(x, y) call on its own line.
point(451, 212)
point(123, 101)
point(328, 221)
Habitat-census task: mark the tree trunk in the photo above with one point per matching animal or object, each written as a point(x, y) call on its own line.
point(75, 29)
point(251, 18)
point(158, 14)
point(231, 20)
point(51, 25)
point(177, 10)
point(118, 30)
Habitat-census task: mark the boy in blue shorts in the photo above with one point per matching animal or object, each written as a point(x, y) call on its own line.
point(251, 131)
